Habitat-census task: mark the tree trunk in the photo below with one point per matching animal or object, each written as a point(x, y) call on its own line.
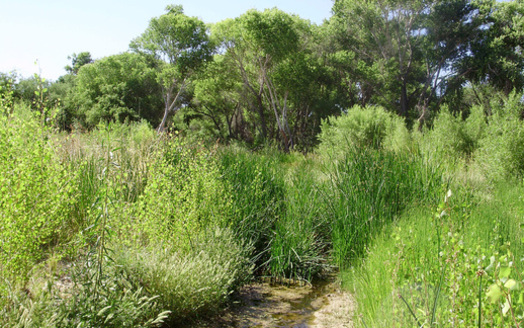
point(260, 109)
point(404, 105)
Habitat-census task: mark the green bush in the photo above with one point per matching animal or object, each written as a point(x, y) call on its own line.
point(34, 189)
point(184, 195)
point(501, 152)
point(190, 283)
point(362, 127)
point(451, 141)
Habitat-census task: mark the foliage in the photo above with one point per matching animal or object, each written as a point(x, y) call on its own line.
point(34, 195)
point(501, 152)
point(180, 44)
point(184, 195)
point(77, 61)
point(452, 141)
point(497, 57)
point(280, 90)
point(117, 88)
point(362, 127)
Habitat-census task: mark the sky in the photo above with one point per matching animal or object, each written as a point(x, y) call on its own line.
point(37, 36)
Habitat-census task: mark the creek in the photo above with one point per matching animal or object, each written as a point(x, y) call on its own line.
point(265, 304)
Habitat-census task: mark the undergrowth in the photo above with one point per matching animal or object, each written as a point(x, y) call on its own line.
point(121, 227)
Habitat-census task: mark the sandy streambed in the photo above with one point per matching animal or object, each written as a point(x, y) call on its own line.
point(268, 305)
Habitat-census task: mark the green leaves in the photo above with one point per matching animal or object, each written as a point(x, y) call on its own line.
point(180, 45)
point(176, 39)
point(117, 88)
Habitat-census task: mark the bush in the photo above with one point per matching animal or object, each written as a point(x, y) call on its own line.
point(184, 195)
point(451, 141)
point(501, 152)
point(34, 190)
point(362, 127)
point(190, 283)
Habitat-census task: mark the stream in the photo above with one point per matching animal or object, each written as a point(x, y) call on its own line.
point(264, 305)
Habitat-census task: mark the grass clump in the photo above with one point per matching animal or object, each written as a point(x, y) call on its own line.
point(256, 186)
point(300, 246)
point(369, 190)
point(191, 283)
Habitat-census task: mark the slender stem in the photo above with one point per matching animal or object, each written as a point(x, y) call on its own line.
point(480, 299)
point(410, 310)
point(436, 296)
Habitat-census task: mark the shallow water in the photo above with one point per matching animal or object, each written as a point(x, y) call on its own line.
point(274, 305)
point(302, 310)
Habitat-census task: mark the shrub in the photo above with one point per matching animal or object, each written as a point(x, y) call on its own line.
point(451, 141)
point(362, 127)
point(190, 283)
point(33, 195)
point(501, 152)
point(183, 196)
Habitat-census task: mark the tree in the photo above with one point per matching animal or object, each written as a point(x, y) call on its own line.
point(217, 98)
point(272, 55)
point(383, 38)
point(401, 52)
point(77, 61)
point(117, 88)
point(7, 91)
point(180, 45)
point(497, 55)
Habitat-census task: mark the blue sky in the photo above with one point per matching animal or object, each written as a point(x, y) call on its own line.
point(51, 30)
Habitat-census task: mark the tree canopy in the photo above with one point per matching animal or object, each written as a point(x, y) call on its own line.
point(270, 76)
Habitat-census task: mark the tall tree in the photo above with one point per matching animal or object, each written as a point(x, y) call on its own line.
point(180, 44)
point(270, 52)
point(402, 52)
point(497, 55)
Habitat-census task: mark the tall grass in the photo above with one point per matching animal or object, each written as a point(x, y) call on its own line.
point(445, 250)
point(370, 189)
point(456, 263)
point(300, 246)
point(256, 186)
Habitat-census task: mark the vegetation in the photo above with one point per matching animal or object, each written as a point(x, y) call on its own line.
point(381, 145)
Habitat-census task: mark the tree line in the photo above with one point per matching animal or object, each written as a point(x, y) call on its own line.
point(273, 76)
